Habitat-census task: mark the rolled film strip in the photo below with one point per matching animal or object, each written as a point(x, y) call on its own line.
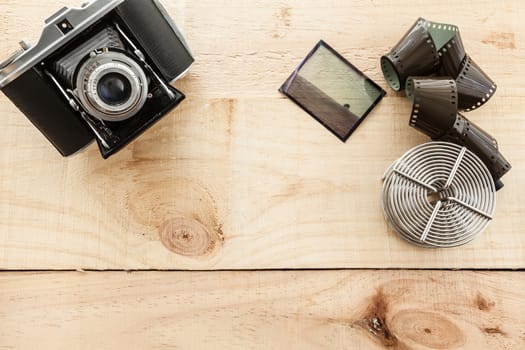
point(439, 195)
point(435, 104)
point(431, 48)
point(435, 113)
point(415, 54)
point(452, 55)
point(475, 88)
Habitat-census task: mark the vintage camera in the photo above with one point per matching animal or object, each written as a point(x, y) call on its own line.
point(99, 72)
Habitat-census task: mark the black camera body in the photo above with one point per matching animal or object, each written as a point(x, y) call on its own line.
point(100, 72)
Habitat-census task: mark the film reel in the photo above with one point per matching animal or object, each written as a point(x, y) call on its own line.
point(439, 195)
point(435, 113)
point(431, 48)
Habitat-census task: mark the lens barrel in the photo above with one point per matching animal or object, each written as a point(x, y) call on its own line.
point(111, 86)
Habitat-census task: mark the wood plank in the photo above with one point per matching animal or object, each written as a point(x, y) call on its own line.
point(402, 310)
point(239, 177)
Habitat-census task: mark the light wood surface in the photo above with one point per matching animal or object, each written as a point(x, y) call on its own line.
point(239, 177)
point(395, 310)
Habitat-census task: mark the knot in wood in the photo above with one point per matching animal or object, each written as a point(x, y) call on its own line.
point(187, 237)
point(428, 329)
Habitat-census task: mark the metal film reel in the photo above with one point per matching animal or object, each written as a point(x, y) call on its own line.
point(439, 195)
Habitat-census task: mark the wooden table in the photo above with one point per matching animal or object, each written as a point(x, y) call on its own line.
point(240, 178)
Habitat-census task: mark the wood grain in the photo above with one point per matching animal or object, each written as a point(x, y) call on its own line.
point(396, 310)
point(239, 177)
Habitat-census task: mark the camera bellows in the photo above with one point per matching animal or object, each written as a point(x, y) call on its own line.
point(67, 65)
point(439, 195)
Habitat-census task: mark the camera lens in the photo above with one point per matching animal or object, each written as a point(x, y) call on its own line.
point(111, 86)
point(114, 89)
